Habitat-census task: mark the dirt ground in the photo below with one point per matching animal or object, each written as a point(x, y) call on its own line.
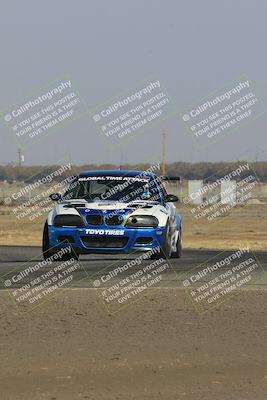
point(159, 348)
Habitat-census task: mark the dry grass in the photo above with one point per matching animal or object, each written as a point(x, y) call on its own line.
point(245, 225)
point(19, 232)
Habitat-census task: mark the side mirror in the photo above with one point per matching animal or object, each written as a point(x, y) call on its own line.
point(55, 196)
point(171, 198)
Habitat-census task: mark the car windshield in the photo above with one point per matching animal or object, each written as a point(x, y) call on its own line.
point(114, 188)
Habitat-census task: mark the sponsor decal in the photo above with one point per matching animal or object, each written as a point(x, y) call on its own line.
point(118, 232)
point(114, 178)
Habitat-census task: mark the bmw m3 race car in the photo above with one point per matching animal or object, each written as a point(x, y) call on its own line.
point(114, 212)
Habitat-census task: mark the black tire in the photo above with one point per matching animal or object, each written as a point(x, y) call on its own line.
point(48, 253)
point(165, 250)
point(178, 252)
point(45, 244)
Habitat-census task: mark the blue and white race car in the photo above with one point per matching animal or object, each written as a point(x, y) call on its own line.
point(114, 212)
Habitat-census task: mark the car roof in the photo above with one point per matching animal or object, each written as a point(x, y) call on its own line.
point(115, 172)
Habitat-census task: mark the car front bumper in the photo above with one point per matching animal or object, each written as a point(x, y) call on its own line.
point(103, 240)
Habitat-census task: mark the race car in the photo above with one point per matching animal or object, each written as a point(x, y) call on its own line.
point(114, 211)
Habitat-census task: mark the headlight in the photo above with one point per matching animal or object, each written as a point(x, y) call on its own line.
point(142, 221)
point(68, 220)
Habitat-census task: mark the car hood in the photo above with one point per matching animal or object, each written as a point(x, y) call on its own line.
point(138, 207)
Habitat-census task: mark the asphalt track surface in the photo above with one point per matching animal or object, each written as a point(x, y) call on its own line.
point(14, 259)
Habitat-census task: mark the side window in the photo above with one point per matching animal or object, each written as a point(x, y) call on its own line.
point(162, 188)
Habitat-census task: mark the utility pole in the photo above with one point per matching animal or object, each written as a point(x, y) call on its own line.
point(164, 151)
point(20, 157)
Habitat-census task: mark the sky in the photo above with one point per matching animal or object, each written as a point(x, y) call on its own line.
point(107, 47)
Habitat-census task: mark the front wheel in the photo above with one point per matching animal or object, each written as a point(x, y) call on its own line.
point(47, 253)
point(178, 252)
point(45, 245)
point(165, 250)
